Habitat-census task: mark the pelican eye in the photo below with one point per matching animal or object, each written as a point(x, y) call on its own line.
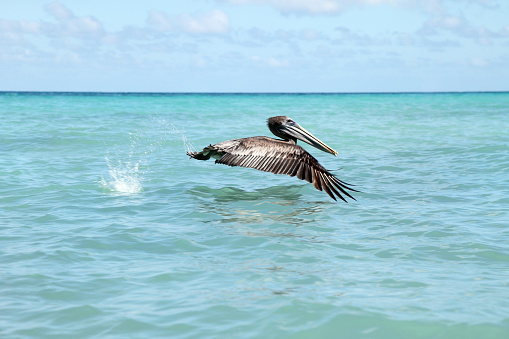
point(290, 122)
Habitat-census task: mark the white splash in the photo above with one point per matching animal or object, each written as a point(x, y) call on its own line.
point(180, 132)
point(129, 163)
point(127, 166)
point(125, 177)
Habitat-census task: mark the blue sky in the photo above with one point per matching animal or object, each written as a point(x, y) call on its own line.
point(254, 45)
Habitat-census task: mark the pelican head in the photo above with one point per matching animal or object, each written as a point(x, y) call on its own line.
point(287, 129)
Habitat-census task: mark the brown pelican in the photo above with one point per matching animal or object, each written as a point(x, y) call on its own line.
point(279, 156)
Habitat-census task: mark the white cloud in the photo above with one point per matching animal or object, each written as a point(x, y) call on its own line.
point(213, 22)
point(70, 25)
point(451, 23)
point(59, 11)
point(361, 39)
point(19, 26)
point(315, 7)
point(479, 62)
point(331, 7)
point(299, 6)
point(311, 34)
point(67, 24)
point(461, 27)
point(284, 36)
point(67, 38)
point(270, 61)
point(168, 41)
point(12, 33)
point(160, 21)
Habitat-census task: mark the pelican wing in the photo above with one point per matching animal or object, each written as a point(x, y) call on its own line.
point(281, 157)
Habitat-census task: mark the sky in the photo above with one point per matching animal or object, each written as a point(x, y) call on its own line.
point(254, 45)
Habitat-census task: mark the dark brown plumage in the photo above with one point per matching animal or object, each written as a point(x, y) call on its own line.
point(279, 156)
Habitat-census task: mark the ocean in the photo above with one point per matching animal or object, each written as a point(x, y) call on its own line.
point(109, 230)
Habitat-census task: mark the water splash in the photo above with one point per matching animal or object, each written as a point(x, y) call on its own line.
point(129, 167)
point(189, 147)
point(125, 177)
point(128, 164)
point(180, 133)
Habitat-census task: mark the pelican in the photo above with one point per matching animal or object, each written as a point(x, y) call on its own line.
point(279, 156)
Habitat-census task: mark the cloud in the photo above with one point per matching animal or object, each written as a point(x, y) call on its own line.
point(461, 27)
point(160, 21)
point(295, 6)
point(59, 11)
point(284, 36)
point(334, 7)
point(479, 62)
point(67, 24)
point(360, 39)
point(12, 32)
point(75, 39)
point(212, 22)
point(70, 25)
point(311, 34)
point(318, 7)
point(175, 42)
point(270, 62)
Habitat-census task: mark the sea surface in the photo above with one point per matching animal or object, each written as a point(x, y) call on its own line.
point(108, 229)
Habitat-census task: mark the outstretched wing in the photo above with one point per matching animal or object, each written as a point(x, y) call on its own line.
point(280, 157)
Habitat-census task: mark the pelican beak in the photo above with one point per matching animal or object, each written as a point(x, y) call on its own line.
point(297, 131)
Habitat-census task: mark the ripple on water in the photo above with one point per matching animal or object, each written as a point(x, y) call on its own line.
point(107, 229)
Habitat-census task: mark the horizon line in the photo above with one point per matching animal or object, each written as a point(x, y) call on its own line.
point(240, 93)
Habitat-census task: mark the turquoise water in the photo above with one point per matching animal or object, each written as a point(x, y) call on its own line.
point(107, 228)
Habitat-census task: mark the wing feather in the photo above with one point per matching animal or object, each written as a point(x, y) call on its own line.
point(308, 173)
point(316, 182)
point(333, 189)
point(300, 172)
point(325, 185)
point(281, 157)
point(286, 169)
